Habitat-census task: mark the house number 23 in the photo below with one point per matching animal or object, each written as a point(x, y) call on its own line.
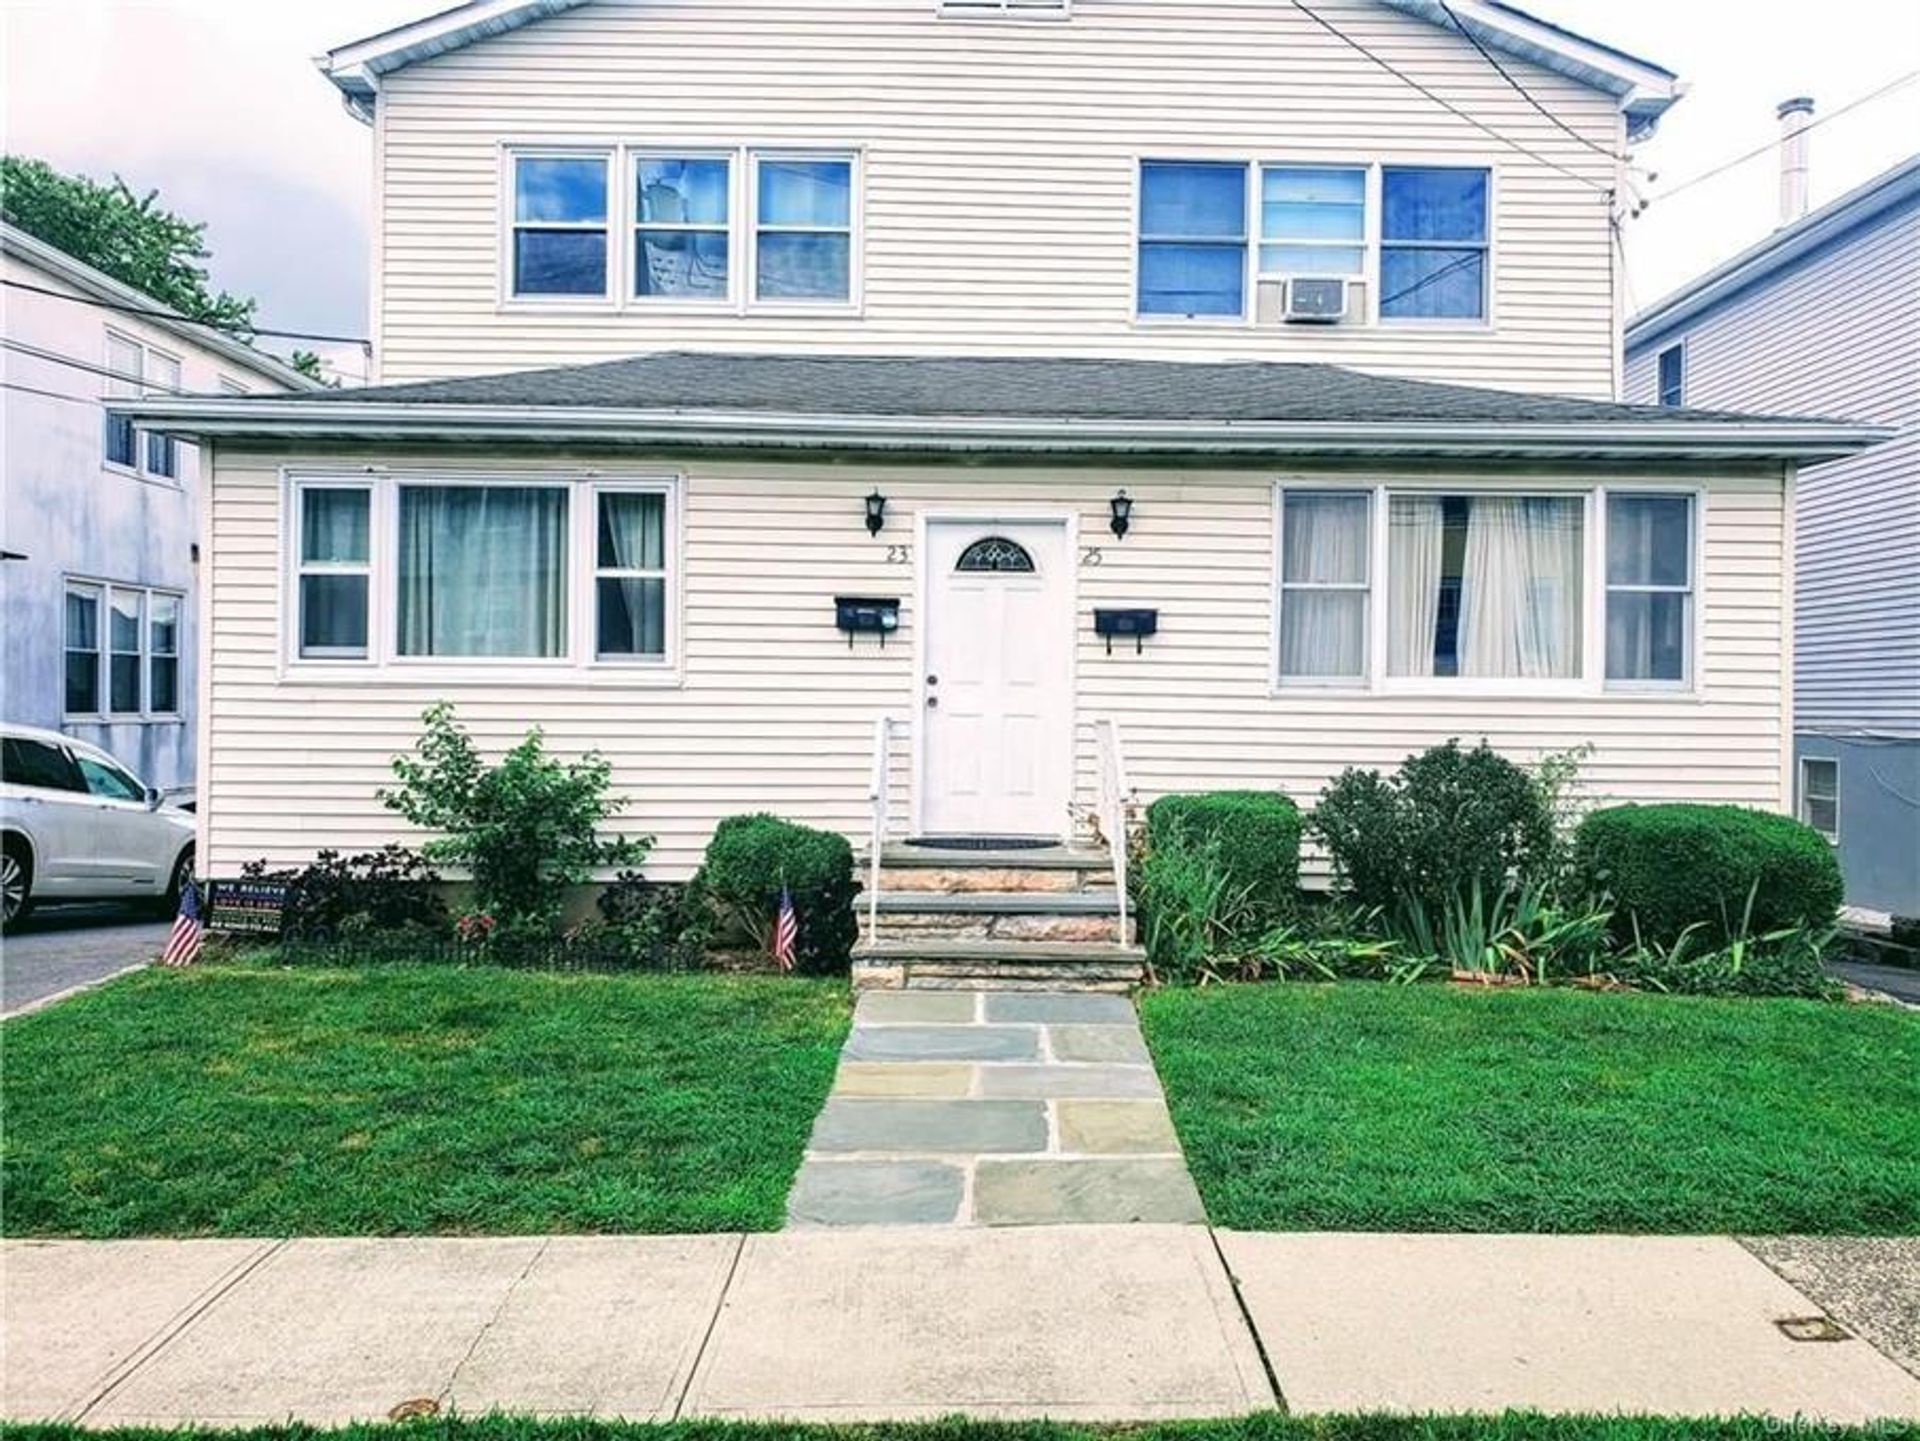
point(899, 555)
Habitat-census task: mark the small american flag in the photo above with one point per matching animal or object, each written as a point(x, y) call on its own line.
point(183, 945)
point(786, 932)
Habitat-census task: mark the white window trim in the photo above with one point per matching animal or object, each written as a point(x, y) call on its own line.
point(1489, 293)
point(1590, 683)
point(736, 197)
point(856, 241)
point(622, 224)
point(1369, 227)
point(1281, 585)
point(511, 225)
point(1046, 10)
point(1832, 837)
point(383, 665)
point(1248, 241)
point(1375, 165)
point(103, 593)
point(302, 567)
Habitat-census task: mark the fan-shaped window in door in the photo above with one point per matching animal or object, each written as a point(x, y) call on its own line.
point(996, 553)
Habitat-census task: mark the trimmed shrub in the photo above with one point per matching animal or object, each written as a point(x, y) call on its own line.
point(1447, 823)
point(1254, 839)
point(1668, 867)
point(389, 891)
point(751, 857)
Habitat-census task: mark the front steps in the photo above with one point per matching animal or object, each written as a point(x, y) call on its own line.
point(996, 920)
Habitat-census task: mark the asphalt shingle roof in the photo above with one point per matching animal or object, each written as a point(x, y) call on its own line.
point(1009, 388)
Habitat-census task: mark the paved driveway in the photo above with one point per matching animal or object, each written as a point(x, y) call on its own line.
point(1895, 981)
point(66, 946)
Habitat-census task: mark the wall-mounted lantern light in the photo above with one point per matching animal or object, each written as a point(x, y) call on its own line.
point(1122, 507)
point(876, 512)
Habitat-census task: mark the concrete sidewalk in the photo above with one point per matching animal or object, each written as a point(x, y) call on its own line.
point(1073, 1322)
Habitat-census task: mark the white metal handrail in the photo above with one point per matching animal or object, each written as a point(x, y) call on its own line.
point(1116, 802)
point(877, 794)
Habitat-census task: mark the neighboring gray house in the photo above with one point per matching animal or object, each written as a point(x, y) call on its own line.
point(99, 521)
point(1823, 318)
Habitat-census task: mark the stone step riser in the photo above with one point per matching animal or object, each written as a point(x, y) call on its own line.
point(995, 975)
point(963, 880)
point(973, 926)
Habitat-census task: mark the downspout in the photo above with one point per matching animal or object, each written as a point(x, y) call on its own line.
point(1789, 486)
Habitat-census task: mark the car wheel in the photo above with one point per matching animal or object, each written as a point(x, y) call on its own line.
point(16, 884)
point(169, 904)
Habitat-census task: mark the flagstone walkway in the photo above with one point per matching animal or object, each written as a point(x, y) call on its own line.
point(993, 1108)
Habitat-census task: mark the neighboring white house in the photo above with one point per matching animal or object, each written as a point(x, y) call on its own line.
point(1823, 318)
point(99, 520)
point(1016, 328)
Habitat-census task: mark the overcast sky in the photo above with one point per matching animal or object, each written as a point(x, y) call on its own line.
point(217, 103)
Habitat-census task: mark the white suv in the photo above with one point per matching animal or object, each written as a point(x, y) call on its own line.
point(76, 826)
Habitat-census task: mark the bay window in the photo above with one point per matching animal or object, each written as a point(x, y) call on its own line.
point(1434, 587)
point(1193, 239)
point(559, 233)
point(1433, 243)
point(434, 570)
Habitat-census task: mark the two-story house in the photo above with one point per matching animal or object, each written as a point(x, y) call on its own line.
point(99, 519)
point(1218, 392)
point(1823, 317)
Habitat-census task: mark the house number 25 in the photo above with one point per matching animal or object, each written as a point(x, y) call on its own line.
point(1091, 555)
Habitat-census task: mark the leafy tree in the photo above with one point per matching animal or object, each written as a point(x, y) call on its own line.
point(128, 236)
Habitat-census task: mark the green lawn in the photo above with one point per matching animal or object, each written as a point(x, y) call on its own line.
point(1266, 1427)
point(394, 1100)
point(1433, 1108)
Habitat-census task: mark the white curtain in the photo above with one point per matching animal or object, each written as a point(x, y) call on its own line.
point(1415, 543)
point(1323, 632)
point(482, 571)
point(632, 610)
point(1520, 588)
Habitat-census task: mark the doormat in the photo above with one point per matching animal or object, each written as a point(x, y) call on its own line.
point(982, 843)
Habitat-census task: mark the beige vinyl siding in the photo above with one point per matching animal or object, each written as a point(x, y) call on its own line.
point(1000, 169)
point(776, 711)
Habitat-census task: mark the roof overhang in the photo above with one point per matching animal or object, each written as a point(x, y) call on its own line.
point(97, 285)
point(1644, 90)
point(342, 420)
point(1786, 247)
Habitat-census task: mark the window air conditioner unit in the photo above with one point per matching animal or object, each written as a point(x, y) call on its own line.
point(1315, 300)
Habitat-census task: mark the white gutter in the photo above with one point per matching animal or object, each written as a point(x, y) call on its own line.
point(212, 417)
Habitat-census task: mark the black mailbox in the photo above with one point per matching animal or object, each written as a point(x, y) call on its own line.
point(866, 615)
point(1136, 623)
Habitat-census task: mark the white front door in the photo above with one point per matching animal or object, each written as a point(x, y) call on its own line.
point(996, 703)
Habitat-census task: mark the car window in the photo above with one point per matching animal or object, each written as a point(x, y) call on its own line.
point(33, 763)
point(109, 780)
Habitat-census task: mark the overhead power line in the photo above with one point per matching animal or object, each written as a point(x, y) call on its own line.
point(1724, 166)
point(1527, 94)
point(238, 332)
point(54, 357)
point(1445, 104)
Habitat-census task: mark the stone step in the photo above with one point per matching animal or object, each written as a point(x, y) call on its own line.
point(935, 964)
point(1052, 869)
point(997, 916)
point(1001, 903)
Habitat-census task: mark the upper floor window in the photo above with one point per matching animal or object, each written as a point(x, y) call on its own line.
point(1313, 220)
point(1433, 243)
point(1193, 239)
point(1673, 376)
point(803, 228)
point(681, 209)
point(134, 370)
point(560, 211)
point(1004, 9)
point(728, 227)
